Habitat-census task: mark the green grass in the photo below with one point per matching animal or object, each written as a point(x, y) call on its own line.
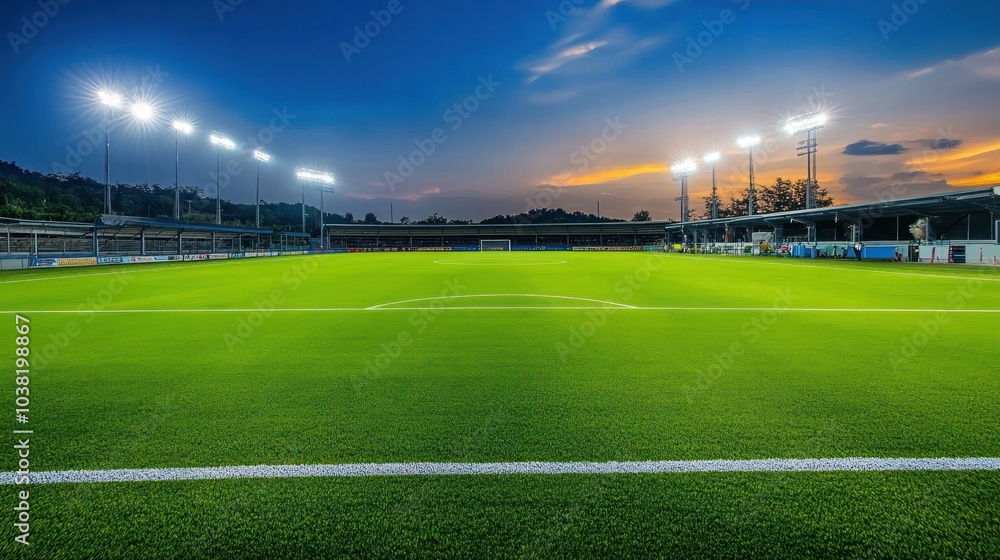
point(552, 383)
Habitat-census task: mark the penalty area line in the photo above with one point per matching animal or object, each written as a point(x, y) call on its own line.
point(851, 464)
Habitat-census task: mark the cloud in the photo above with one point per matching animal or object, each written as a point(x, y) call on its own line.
point(898, 185)
point(984, 65)
point(612, 175)
point(879, 125)
point(940, 143)
point(868, 148)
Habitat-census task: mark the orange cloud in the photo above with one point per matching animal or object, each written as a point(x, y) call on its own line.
point(607, 175)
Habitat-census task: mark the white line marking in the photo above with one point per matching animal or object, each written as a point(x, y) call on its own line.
point(497, 262)
point(478, 308)
point(607, 303)
point(852, 464)
point(974, 275)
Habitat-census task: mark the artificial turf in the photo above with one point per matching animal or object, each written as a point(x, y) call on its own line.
point(512, 377)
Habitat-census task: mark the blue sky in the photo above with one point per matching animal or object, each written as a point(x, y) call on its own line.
point(914, 103)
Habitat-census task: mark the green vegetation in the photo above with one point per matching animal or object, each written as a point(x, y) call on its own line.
point(480, 381)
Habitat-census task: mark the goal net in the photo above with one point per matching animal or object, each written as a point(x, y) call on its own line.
point(494, 245)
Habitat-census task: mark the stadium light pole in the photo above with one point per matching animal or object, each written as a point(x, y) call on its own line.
point(262, 157)
point(749, 142)
point(186, 128)
point(808, 124)
point(110, 100)
point(713, 158)
point(221, 142)
point(680, 171)
point(318, 181)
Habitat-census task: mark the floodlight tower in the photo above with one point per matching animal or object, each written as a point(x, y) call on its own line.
point(110, 100)
point(749, 142)
point(713, 158)
point(680, 171)
point(262, 157)
point(221, 142)
point(317, 181)
point(808, 124)
point(186, 128)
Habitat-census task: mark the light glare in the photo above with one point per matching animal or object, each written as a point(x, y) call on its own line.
point(316, 176)
point(805, 123)
point(221, 141)
point(110, 98)
point(261, 156)
point(749, 141)
point(712, 157)
point(184, 127)
point(681, 167)
point(143, 111)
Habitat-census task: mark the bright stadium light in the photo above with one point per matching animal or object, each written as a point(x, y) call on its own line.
point(183, 127)
point(180, 127)
point(111, 99)
point(805, 123)
point(143, 111)
point(712, 157)
point(749, 142)
point(261, 155)
point(808, 124)
point(320, 177)
point(220, 141)
point(683, 167)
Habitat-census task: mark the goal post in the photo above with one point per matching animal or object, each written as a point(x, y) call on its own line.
point(494, 245)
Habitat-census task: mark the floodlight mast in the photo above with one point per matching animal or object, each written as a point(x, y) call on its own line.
point(808, 124)
point(317, 181)
point(110, 100)
point(262, 157)
point(749, 142)
point(713, 158)
point(220, 141)
point(680, 171)
point(186, 128)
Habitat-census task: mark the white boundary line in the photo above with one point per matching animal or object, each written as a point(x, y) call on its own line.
point(497, 262)
point(449, 298)
point(851, 464)
point(489, 308)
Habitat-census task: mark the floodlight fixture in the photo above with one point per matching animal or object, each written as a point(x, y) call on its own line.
point(221, 141)
point(183, 127)
point(143, 111)
point(311, 176)
point(110, 98)
point(806, 123)
point(712, 157)
point(261, 155)
point(749, 141)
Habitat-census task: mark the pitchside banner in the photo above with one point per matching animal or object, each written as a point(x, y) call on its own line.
point(61, 263)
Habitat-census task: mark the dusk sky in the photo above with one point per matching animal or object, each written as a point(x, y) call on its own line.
point(913, 90)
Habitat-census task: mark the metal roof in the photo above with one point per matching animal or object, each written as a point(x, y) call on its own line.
point(944, 204)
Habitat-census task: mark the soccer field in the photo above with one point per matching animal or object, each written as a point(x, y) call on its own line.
point(508, 405)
